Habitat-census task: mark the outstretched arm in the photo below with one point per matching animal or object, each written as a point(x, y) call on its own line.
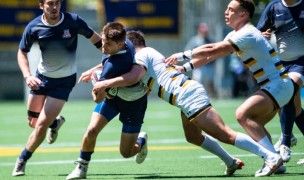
point(202, 55)
point(127, 79)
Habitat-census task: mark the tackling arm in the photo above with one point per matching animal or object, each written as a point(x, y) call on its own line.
point(127, 79)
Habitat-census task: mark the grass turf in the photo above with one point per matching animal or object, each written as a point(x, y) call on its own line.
point(170, 156)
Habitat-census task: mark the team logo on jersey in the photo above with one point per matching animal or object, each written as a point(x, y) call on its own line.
point(66, 33)
point(301, 14)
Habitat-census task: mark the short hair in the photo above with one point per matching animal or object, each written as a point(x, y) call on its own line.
point(114, 31)
point(42, 1)
point(248, 5)
point(137, 38)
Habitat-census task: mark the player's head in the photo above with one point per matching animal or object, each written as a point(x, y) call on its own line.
point(239, 12)
point(113, 38)
point(247, 5)
point(137, 38)
point(114, 31)
point(42, 1)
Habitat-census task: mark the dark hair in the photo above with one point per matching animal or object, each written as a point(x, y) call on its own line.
point(248, 5)
point(114, 31)
point(137, 38)
point(42, 1)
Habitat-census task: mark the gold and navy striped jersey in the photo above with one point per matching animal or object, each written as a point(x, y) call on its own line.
point(256, 53)
point(163, 80)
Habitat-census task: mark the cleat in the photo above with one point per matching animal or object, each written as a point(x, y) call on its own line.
point(270, 166)
point(53, 133)
point(141, 156)
point(80, 172)
point(237, 164)
point(280, 170)
point(19, 169)
point(301, 161)
point(293, 142)
point(285, 153)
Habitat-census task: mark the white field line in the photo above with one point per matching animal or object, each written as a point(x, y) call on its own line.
point(121, 160)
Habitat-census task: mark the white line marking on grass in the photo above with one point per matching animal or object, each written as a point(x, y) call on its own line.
point(69, 162)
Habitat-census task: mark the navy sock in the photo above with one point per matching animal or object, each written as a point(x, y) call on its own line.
point(300, 122)
point(25, 155)
point(287, 120)
point(54, 124)
point(141, 141)
point(86, 155)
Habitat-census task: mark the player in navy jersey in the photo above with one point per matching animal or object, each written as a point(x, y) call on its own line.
point(130, 102)
point(56, 34)
point(285, 18)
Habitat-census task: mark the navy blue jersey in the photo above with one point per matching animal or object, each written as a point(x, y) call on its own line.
point(119, 63)
point(287, 23)
point(58, 43)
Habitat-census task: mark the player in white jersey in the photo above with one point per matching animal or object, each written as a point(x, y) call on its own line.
point(197, 112)
point(258, 55)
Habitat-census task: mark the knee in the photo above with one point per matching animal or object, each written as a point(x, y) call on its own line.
point(198, 140)
point(32, 121)
point(125, 153)
point(32, 118)
point(240, 116)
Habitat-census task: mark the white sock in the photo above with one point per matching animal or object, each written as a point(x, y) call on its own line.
point(244, 142)
point(265, 142)
point(212, 145)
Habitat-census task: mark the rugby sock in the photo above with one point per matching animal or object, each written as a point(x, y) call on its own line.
point(141, 141)
point(300, 122)
point(54, 124)
point(86, 155)
point(244, 142)
point(211, 145)
point(25, 155)
point(287, 119)
point(266, 143)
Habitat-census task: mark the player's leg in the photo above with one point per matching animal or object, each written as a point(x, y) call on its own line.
point(210, 122)
point(103, 113)
point(50, 110)
point(133, 142)
point(34, 105)
point(194, 136)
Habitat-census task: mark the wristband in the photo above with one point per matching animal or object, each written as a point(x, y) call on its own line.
point(182, 56)
point(188, 66)
point(98, 44)
point(187, 55)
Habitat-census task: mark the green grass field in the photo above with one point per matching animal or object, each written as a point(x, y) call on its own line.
point(170, 156)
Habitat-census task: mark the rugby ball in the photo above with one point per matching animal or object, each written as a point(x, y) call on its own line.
point(96, 75)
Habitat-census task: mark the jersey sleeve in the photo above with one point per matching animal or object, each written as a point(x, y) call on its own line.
point(27, 39)
point(84, 28)
point(266, 20)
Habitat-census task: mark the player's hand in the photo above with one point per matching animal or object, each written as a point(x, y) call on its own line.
point(33, 82)
point(267, 34)
point(85, 76)
point(99, 96)
point(99, 87)
point(172, 60)
point(180, 68)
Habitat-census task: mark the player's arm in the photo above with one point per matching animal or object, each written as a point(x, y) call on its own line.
point(96, 40)
point(201, 55)
point(127, 79)
point(31, 81)
point(86, 76)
